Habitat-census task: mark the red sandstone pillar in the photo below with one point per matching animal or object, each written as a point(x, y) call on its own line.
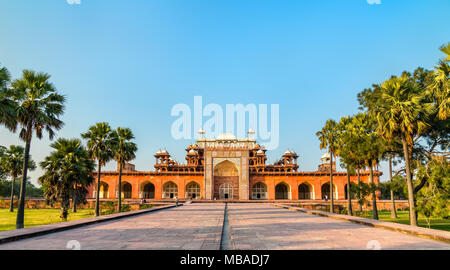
point(317, 190)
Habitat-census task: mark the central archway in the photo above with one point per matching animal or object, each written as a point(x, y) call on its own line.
point(226, 180)
point(226, 168)
point(226, 192)
point(282, 191)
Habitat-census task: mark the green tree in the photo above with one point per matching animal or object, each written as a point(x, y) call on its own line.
point(37, 109)
point(12, 162)
point(403, 114)
point(99, 145)
point(370, 148)
point(440, 87)
point(328, 138)
point(67, 174)
point(361, 191)
point(124, 151)
point(346, 151)
point(7, 106)
point(3, 174)
point(433, 199)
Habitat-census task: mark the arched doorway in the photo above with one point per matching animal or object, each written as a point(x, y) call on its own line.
point(148, 191)
point(104, 190)
point(170, 190)
point(126, 190)
point(226, 192)
point(193, 191)
point(226, 172)
point(259, 191)
point(326, 191)
point(282, 191)
point(305, 192)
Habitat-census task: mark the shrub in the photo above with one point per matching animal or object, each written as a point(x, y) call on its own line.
point(126, 208)
point(145, 206)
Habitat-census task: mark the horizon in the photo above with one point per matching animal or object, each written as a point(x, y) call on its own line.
point(129, 63)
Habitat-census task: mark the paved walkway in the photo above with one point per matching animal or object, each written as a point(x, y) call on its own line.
point(262, 226)
point(253, 226)
point(194, 226)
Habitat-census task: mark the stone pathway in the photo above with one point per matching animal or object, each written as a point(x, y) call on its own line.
point(192, 227)
point(262, 226)
point(252, 226)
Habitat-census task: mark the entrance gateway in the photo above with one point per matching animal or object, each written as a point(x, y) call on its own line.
point(226, 167)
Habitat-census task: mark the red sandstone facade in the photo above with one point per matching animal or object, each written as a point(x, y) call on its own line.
point(227, 168)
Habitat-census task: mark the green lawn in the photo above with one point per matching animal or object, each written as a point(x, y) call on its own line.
point(403, 218)
point(37, 217)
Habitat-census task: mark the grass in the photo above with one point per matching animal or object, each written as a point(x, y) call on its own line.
point(403, 218)
point(38, 217)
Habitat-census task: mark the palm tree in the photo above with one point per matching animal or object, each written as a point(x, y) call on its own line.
point(440, 87)
point(99, 145)
point(124, 151)
point(329, 140)
point(402, 113)
point(7, 106)
point(12, 162)
point(67, 173)
point(345, 150)
point(38, 108)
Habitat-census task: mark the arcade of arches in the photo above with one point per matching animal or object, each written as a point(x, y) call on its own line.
point(227, 168)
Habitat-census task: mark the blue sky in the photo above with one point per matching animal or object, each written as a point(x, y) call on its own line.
point(129, 62)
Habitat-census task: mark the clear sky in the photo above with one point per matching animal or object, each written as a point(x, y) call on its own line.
point(129, 62)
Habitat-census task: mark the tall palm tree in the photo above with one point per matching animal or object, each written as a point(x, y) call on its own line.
point(402, 113)
point(99, 145)
point(440, 87)
point(38, 108)
point(67, 173)
point(7, 106)
point(328, 140)
point(12, 162)
point(124, 151)
point(345, 150)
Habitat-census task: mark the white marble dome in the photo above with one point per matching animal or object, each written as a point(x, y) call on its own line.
point(226, 137)
point(326, 157)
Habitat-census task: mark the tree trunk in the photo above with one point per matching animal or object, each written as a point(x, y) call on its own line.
point(74, 199)
point(331, 183)
point(359, 191)
point(412, 206)
point(65, 205)
point(119, 206)
point(11, 204)
point(23, 184)
point(374, 196)
point(349, 197)
point(393, 211)
point(97, 199)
